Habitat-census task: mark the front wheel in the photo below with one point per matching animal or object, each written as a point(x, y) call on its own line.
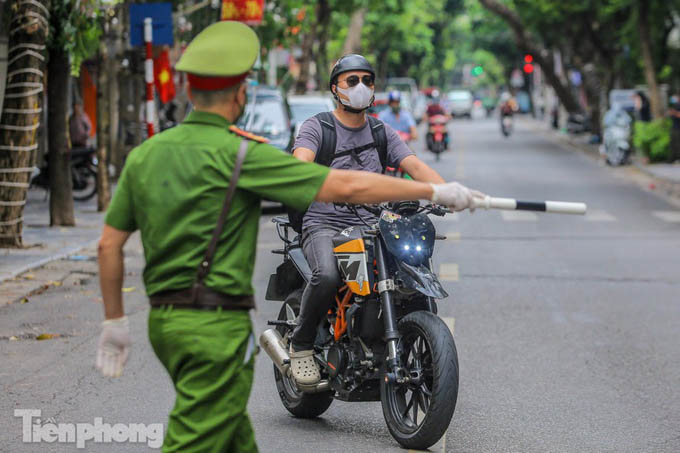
point(302, 405)
point(418, 413)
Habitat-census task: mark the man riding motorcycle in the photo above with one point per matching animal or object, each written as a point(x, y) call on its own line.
point(434, 112)
point(352, 83)
point(398, 118)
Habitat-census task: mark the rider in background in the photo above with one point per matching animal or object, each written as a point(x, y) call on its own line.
point(507, 104)
point(398, 118)
point(80, 126)
point(434, 109)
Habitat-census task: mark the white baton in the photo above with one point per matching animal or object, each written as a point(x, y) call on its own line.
point(559, 207)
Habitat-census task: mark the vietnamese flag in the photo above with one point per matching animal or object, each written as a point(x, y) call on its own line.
point(162, 75)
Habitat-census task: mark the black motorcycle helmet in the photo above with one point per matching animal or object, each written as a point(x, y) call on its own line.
point(350, 62)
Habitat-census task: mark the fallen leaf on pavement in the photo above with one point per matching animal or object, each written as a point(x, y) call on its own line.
point(13, 338)
point(54, 283)
point(29, 276)
point(46, 336)
point(24, 300)
point(129, 290)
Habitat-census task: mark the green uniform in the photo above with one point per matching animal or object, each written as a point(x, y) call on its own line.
point(172, 189)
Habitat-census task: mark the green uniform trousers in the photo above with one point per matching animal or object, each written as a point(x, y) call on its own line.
point(210, 358)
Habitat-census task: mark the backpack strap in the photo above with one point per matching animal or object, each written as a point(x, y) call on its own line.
point(379, 138)
point(326, 152)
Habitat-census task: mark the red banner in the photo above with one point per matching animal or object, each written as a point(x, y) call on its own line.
point(247, 11)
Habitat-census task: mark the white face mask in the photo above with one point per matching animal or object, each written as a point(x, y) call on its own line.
point(360, 96)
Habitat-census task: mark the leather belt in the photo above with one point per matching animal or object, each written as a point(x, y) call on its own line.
point(206, 299)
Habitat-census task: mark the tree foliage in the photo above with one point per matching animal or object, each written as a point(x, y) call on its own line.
point(75, 29)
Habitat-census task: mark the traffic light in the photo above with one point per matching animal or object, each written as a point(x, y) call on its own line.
point(477, 71)
point(528, 68)
point(528, 58)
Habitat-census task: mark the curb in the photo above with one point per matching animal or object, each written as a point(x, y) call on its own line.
point(56, 257)
point(664, 187)
point(669, 187)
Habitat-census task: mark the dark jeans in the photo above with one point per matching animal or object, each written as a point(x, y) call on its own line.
point(318, 296)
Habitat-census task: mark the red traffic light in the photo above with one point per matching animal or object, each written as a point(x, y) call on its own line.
point(528, 68)
point(528, 58)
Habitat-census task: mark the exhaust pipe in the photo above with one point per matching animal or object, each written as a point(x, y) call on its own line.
point(272, 343)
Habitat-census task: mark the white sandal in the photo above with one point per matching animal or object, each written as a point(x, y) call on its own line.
point(304, 368)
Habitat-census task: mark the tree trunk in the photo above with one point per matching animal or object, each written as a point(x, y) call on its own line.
point(20, 119)
point(541, 56)
point(103, 142)
point(323, 18)
point(648, 59)
point(306, 59)
point(61, 194)
point(353, 39)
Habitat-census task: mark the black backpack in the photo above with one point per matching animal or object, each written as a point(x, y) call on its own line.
point(326, 153)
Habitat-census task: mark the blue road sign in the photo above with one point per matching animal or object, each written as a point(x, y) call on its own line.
point(161, 15)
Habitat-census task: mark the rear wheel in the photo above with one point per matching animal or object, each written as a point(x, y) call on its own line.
point(302, 405)
point(419, 412)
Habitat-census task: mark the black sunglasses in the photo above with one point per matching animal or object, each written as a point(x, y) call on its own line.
point(353, 80)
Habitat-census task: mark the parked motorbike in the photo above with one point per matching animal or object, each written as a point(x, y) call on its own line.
point(410, 364)
point(616, 145)
point(437, 135)
point(83, 174)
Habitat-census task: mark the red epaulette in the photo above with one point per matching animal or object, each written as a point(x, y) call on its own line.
point(248, 135)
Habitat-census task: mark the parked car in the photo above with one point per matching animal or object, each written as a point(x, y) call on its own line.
point(267, 114)
point(460, 103)
point(305, 106)
point(379, 104)
point(403, 84)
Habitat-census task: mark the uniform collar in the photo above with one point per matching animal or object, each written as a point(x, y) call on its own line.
point(211, 119)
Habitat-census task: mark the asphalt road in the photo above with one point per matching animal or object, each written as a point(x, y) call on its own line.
point(567, 328)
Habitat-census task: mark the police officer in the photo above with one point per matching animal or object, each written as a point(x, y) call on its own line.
point(174, 189)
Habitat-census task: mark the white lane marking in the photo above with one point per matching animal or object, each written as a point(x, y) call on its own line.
point(599, 215)
point(449, 272)
point(450, 323)
point(519, 216)
point(667, 216)
point(452, 236)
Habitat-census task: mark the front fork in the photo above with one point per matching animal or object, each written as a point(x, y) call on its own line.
point(385, 289)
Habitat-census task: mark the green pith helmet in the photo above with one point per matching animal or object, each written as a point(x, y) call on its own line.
point(223, 49)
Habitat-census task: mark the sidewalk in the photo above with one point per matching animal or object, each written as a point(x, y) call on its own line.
point(663, 179)
point(42, 243)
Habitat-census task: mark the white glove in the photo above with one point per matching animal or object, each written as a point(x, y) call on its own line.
point(114, 346)
point(455, 196)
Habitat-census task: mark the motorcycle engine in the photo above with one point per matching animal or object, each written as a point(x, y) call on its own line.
point(336, 360)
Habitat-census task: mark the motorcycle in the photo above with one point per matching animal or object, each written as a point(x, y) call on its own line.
point(83, 174)
point(410, 364)
point(506, 125)
point(437, 136)
point(616, 144)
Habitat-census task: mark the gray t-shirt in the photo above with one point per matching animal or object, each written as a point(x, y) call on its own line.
point(348, 138)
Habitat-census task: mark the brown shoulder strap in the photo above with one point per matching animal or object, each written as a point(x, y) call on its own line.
point(206, 262)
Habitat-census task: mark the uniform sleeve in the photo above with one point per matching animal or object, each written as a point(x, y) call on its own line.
point(278, 176)
point(309, 136)
point(397, 150)
point(120, 214)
